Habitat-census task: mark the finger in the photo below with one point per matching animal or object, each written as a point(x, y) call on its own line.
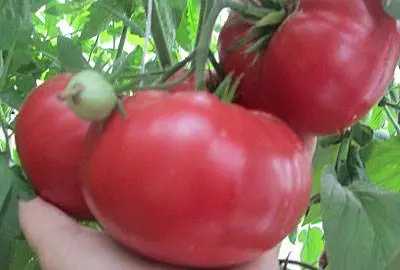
point(45, 225)
point(269, 261)
point(62, 244)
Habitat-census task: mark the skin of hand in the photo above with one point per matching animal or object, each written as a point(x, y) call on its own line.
point(63, 244)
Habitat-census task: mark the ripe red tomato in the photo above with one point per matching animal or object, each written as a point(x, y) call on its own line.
point(189, 180)
point(325, 67)
point(49, 140)
point(190, 83)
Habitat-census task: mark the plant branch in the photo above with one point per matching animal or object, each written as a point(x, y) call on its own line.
point(216, 65)
point(204, 42)
point(341, 159)
point(6, 66)
point(393, 106)
point(4, 129)
point(124, 33)
point(205, 8)
point(392, 119)
point(94, 47)
point(147, 37)
point(139, 75)
point(163, 86)
point(159, 37)
point(135, 28)
point(168, 72)
point(122, 42)
point(304, 265)
point(165, 73)
point(315, 199)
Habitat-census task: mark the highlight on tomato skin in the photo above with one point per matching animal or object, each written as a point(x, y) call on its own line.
point(195, 182)
point(49, 140)
point(320, 74)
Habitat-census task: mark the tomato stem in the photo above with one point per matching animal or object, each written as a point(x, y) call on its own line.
point(341, 160)
point(205, 9)
point(74, 92)
point(394, 106)
point(4, 128)
point(166, 74)
point(167, 85)
point(216, 65)
point(285, 262)
point(204, 42)
point(392, 119)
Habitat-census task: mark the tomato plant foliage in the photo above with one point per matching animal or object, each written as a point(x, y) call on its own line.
point(353, 213)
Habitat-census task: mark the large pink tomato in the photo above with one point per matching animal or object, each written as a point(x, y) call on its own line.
point(49, 140)
point(189, 180)
point(323, 69)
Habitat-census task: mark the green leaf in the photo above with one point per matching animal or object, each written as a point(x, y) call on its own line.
point(376, 118)
point(314, 215)
point(9, 226)
point(362, 134)
point(51, 25)
point(187, 29)
point(361, 224)
point(8, 33)
point(70, 55)
point(382, 165)
point(313, 244)
point(23, 187)
point(293, 236)
point(323, 156)
point(37, 4)
point(24, 257)
point(12, 98)
point(163, 29)
point(20, 57)
point(25, 83)
point(98, 19)
point(392, 7)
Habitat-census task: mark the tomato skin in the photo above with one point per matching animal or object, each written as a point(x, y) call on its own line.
point(236, 59)
point(186, 85)
point(325, 67)
point(189, 84)
point(191, 181)
point(49, 140)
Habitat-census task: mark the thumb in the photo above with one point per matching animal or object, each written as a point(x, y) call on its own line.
point(61, 243)
point(45, 225)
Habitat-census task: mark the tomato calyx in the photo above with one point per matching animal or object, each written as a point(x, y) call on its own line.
point(89, 96)
point(263, 25)
point(227, 89)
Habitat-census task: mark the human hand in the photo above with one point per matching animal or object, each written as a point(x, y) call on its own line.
point(63, 244)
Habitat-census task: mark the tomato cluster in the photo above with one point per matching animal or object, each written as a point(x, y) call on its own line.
point(187, 179)
point(183, 177)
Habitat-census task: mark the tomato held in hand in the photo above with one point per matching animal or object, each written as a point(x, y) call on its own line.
point(49, 139)
point(323, 69)
point(189, 180)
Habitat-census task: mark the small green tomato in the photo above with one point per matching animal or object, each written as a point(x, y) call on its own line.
point(90, 96)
